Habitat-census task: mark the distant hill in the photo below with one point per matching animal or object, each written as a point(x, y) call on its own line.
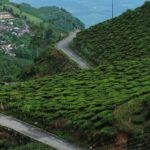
point(55, 17)
point(124, 38)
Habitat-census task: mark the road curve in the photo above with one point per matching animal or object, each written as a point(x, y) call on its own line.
point(64, 47)
point(36, 133)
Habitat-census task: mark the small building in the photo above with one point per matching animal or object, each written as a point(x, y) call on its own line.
point(5, 15)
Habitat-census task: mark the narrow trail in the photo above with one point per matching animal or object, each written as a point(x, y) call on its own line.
point(64, 47)
point(36, 133)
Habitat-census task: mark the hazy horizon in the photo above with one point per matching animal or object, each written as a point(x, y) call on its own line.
point(89, 12)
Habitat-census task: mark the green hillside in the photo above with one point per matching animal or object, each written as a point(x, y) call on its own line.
point(10, 140)
point(94, 105)
point(58, 18)
point(54, 17)
point(124, 38)
point(97, 107)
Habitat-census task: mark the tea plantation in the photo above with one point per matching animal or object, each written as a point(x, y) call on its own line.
point(124, 38)
point(94, 105)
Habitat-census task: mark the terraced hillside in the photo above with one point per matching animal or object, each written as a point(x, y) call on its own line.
point(94, 105)
point(124, 38)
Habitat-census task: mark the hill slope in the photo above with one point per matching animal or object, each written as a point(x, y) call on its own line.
point(123, 38)
point(95, 105)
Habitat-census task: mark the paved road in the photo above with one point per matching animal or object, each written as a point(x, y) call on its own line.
point(64, 47)
point(36, 133)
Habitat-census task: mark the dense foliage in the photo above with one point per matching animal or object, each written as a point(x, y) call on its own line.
point(57, 18)
point(92, 104)
point(124, 38)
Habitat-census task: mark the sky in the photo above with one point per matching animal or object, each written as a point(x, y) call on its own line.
point(90, 12)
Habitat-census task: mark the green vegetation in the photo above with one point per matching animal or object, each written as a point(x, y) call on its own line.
point(10, 67)
point(10, 140)
point(56, 18)
point(124, 38)
point(92, 105)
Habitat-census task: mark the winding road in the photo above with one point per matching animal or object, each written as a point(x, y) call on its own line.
point(64, 47)
point(36, 133)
